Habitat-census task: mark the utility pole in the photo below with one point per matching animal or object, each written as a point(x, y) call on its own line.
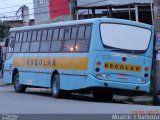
point(157, 61)
point(24, 11)
point(25, 15)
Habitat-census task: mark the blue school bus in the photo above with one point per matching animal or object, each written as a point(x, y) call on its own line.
point(98, 56)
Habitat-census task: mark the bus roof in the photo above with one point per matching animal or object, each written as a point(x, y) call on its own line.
point(85, 21)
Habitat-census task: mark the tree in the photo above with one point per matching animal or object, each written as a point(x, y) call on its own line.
point(4, 28)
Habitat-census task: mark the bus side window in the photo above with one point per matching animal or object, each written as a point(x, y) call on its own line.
point(12, 40)
point(34, 46)
point(39, 35)
point(50, 33)
point(17, 46)
point(21, 37)
point(74, 33)
point(83, 40)
point(25, 36)
point(55, 34)
point(17, 37)
point(67, 33)
point(45, 44)
point(88, 32)
point(61, 34)
point(29, 36)
point(81, 31)
point(34, 36)
point(25, 43)
point(56, 44)
point(69, 43)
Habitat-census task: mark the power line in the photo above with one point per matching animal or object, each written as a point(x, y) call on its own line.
point(15, 6)
point(55, 10)
point(36, 7)
point(92, 3)
point(6, 3)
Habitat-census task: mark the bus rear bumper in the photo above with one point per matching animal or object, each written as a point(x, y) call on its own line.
point(95, 82)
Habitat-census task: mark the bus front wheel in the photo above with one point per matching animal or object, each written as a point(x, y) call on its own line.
point(19, 88)
point(56, 92)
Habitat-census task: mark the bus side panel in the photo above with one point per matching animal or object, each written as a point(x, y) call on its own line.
point(35, 79)
point(72, 82)
point(7, 76)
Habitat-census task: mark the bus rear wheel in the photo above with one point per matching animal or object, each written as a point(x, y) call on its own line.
point(19, 88)
point(55, 86)
point(102, 95)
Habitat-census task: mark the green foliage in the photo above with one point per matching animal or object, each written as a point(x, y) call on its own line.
point(4, 28)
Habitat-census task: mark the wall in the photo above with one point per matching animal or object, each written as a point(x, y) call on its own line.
point(41, 11)
point(59, 8)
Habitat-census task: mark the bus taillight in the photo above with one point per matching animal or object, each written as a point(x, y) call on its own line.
point(124, 59)
point(146, 75)
point(98, 63)
point(146, 69)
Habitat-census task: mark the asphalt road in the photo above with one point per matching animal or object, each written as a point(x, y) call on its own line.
point(36, 101)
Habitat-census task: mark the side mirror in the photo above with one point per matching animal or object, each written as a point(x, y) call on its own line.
point(6, 42)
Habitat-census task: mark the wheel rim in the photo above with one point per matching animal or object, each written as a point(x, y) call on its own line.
point(17, 82)
point(55, 86)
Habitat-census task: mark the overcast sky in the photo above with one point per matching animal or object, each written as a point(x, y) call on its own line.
point(8, 8)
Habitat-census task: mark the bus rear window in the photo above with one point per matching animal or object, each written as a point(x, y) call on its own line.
point(125, 37)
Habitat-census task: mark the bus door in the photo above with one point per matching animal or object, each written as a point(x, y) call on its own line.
point(8, 58)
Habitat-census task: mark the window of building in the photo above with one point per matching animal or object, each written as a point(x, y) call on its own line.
point(40, 2)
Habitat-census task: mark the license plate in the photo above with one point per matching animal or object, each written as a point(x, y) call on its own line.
point(122, 76)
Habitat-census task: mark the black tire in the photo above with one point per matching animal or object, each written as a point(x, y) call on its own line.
point(102, 95)
point(55, 87)
point(19, 88)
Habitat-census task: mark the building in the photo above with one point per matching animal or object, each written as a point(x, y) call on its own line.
point(137, 10)
point(53, 10)
point(62, 10)
point(18, 23)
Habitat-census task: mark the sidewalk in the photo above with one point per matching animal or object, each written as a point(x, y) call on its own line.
point(1, 81)
point(142, 100)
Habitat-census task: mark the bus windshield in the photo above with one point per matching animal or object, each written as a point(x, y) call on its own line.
point(125, 37)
